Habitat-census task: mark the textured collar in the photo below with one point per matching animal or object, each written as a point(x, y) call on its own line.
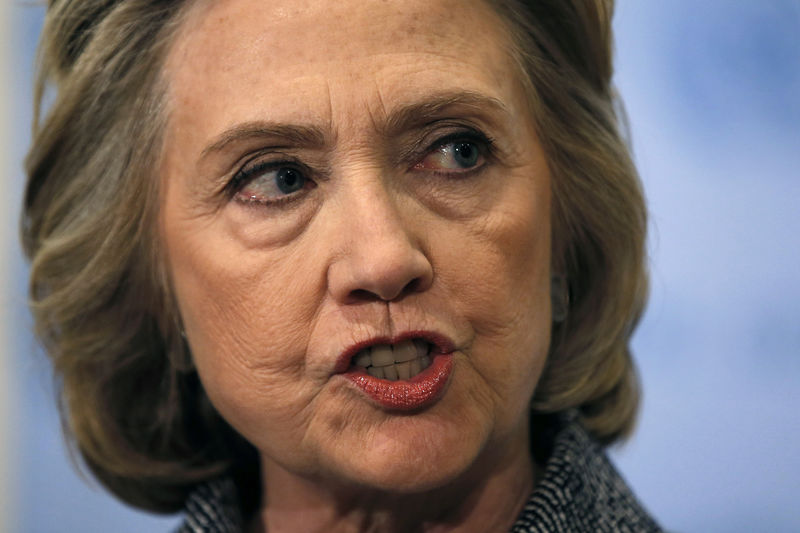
point(213, 507)
point(580, 491)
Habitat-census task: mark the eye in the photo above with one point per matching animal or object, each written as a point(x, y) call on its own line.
point(269, 183)
point(456, 156)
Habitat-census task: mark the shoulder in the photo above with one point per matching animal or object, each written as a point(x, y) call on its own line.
point(213, 507)
point(580, 490)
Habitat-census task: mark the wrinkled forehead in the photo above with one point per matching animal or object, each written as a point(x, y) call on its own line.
point(301, 51)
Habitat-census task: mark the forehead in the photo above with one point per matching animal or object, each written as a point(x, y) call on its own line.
point(305, 59)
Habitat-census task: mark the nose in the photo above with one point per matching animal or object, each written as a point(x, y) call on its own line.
point(379, 253)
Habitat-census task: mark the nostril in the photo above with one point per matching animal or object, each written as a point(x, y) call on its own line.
point(370, 295)
point(363, 295)
point(411, 286)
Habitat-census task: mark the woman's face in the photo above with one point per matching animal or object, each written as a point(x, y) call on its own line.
point(349, 175)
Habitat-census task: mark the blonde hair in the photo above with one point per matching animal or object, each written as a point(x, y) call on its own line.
point(106, 315)
point(599, 215)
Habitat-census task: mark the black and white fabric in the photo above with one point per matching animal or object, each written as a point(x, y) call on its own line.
point(213, 508)
point(579, 491)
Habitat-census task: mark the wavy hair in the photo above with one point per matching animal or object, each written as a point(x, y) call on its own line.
point(131, 404)
point(599, 219)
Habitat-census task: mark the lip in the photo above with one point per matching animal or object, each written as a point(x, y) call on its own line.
point(419, 392)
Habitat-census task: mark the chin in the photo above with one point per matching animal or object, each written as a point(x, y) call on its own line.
point(418, 463)
point(400, 477)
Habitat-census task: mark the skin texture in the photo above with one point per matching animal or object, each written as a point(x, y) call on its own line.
point(386, 236)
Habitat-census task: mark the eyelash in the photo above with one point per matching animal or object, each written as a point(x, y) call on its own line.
point(484, 143)
point(249, 172)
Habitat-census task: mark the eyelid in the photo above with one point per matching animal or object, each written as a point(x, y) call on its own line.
point(478, 138)
point(269, 159)
point(484, 142)
point(249, 174)
point(261, 163)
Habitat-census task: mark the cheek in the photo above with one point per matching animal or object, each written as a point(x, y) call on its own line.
point(500, 283)
point(246, 316)
point(504, 277)
point(235, 304)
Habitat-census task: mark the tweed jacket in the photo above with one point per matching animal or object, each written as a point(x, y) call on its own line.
point(579, 491)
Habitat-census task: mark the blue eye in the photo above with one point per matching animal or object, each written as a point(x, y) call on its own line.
point(457, 156)
point(288, 180)
point(465, 154)
point(266, 183)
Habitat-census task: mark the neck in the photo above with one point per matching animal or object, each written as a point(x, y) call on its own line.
point(487, 498)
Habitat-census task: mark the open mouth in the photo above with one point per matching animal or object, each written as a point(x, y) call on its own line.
point(393, 362)
point(408, 374)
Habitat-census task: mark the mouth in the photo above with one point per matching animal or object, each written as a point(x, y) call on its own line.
point(405, 375)
point(403, 360)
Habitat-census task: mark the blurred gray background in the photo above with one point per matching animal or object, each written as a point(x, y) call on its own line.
point(712, 88)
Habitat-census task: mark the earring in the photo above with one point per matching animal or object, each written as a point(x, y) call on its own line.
point(180, 355)
point(559, 298)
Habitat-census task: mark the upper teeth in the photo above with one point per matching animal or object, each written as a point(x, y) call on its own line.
point(404, 360)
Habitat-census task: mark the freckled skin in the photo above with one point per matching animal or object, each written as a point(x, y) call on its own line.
point(270, 296)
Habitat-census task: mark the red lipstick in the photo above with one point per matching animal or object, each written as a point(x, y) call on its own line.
point(418, 392)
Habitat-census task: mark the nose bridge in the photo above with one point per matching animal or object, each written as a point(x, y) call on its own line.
point(377, 213)
point(381, 253)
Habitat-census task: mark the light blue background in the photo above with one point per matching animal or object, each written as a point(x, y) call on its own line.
point(712, 88)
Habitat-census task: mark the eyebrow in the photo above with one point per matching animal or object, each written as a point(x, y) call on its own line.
point(404, 118)
point(289, 134)
point(417, 114)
